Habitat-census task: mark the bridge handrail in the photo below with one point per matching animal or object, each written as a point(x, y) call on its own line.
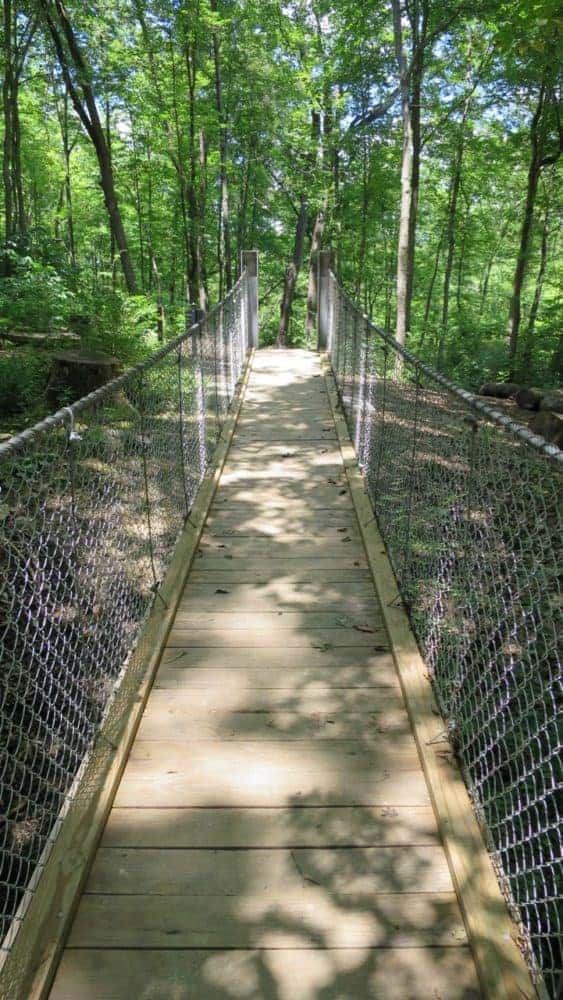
point(468, 504)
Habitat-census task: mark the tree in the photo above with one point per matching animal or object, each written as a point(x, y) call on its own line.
point(545, 117)
point(78, 81)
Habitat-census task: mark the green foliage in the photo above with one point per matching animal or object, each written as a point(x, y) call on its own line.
point(120, 325)
point(34, 296)
point(22, 383)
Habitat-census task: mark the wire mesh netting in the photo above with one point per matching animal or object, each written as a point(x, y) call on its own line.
point(92, 502)
point(468, 504)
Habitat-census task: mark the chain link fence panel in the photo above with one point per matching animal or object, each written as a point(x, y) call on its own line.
point(92, 503)
point(469, 506)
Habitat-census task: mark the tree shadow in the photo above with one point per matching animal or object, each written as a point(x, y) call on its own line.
point(273, 835)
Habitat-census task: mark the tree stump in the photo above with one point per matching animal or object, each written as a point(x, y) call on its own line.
point(76, 373)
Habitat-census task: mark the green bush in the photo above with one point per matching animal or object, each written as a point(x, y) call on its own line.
point(34, 297)
point(123, 326)
point(22, 382)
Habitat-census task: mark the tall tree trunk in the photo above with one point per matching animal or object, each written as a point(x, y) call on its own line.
point(70, 58)
point(7, 97)
point(138, 205)
point(537, 162)
point(430, 291)
point(364, 222)
point(312, 289)
point(67, 153)
point(292, 272)
point(410, 92)
point(225, 260)
point(526, 362)
point(321, 130)
point(111, 232)
point(452, 213)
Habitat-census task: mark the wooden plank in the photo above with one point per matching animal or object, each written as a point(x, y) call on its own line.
point(272, 548)
point(254, 774)
point(258, 919)
point(492, 933)
point(236, 715)
point(294, 974)
point(294, 621)
point(347, 598)
point(308, 700)
point(319, 493)
point(234, 828)
point(280, 532)
point(356, 663)
point(278, 573)
point(296, 566)
point(270, 637)
point(242, 677)
point(357, 872)
point(31, 962)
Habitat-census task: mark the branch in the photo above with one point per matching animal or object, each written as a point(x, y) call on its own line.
point(61, 55)
point(376, 112)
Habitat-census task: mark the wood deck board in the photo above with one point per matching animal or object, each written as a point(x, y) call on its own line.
point(401, 974)
point(274, 800)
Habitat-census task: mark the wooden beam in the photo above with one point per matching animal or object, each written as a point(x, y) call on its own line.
point(493, 936)
point(37, 941)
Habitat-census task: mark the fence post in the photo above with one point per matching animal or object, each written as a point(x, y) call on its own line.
point(250, 262)
point(324, 319)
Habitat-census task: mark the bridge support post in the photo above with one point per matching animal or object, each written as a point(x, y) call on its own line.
point(250, 263)
point(326, 258)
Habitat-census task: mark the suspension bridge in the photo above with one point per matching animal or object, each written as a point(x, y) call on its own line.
point(280, 679)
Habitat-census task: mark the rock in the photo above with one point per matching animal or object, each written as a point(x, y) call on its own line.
point(499, 390)
point(77, 373)
point(553, 401)
point(529, 399)
point(549, 426)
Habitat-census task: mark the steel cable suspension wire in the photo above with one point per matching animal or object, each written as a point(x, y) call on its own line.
point(92, 502)
point(468, 503)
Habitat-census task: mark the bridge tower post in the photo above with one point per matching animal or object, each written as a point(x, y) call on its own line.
point(326, 258)
point(250, 263)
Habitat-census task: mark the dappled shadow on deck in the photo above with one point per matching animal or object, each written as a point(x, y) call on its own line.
point(273, 835)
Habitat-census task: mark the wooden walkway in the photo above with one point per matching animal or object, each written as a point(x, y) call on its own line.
point(272, 836)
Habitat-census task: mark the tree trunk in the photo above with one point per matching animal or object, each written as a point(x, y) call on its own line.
point(430, 292)
point(527, 353)
point(515, 311)
point(410, 91)
point(537, 162)
point(85, 105)
point(7, 97)
point(225, 261)
point(312, 290)
point(292, 273)
point(452, 214)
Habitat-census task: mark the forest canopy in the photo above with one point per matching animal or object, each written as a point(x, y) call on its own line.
point(147, 144)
